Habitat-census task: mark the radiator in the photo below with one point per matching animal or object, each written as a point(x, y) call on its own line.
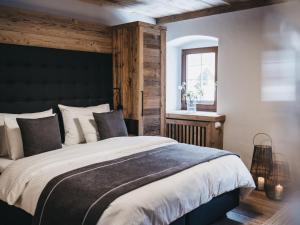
point(189, 132)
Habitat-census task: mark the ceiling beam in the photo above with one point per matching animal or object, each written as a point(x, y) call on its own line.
point(231, 7)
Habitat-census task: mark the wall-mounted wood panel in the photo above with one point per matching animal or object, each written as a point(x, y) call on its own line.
point(36, 29)
point(139, 73)
point(125, 69)
point(152, 81)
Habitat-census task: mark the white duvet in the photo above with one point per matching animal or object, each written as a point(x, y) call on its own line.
point(158, 203)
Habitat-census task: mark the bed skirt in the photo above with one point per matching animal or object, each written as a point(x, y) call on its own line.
point(204, 214)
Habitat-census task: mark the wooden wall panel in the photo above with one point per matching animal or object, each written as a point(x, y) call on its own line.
point(126, 70)
point(152, 83)
point(139, 71)
point(36, 29)
point(151, 125)
point(163, 50)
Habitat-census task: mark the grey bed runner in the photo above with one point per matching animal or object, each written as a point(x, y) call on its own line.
point(79, 197)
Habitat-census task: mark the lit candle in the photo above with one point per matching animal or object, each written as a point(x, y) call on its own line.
point(261, 183)
point(278, 191)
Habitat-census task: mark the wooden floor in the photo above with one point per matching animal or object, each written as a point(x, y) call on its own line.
point(256, 209)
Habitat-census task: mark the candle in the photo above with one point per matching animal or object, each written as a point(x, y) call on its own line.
point(278, 191)
point(261, 183)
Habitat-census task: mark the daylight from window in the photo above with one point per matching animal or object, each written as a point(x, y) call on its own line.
point(191, 73)
point(200, 76)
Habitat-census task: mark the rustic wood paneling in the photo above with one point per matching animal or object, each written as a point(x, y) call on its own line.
point(152, 124)
point(163, 44)
point(152, 80)
point(36, 29)
point(126, 70)
point(139, 72)
point(152, 41)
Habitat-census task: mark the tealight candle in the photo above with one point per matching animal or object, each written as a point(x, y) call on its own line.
point(278, 192)
point(261, 183)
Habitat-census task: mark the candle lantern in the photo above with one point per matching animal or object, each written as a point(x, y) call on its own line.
point(262, 161)
point(278, 182)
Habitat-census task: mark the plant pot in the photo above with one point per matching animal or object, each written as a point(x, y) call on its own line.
point(191, 106)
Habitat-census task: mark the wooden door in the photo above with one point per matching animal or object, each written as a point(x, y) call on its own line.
point(139, 75)
point(153, 95)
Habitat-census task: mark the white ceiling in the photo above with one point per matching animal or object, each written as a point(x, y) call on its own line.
point(81, 10)
point(159, 8)
point(113, 12)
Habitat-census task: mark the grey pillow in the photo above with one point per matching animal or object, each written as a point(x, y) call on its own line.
point(40, 135)
point(110, 124)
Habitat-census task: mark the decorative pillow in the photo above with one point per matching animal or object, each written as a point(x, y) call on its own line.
point(110, 124)
point(89, 128)
point(40, 135)
point(10, 135)
point(73, 132)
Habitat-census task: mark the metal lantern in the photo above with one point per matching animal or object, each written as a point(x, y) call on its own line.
point(277, 183)
point(262, 162)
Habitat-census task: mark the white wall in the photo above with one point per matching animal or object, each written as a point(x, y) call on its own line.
point(259, 58)
point(173, 66)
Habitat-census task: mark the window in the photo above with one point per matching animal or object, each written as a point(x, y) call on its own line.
point(199, 72)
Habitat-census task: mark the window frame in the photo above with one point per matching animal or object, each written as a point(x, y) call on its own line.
point(184, 54)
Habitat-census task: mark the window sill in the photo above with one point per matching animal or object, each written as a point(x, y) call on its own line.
point(196, 116)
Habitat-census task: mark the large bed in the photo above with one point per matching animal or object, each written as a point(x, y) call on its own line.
point(199, 194)
point(160, 202)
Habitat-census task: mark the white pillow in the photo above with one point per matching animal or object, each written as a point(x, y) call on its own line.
point(73, 131)
point(13, 138)
point(4, 163)
point(89, 128)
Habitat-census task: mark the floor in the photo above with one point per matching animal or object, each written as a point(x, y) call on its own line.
point(256, 209)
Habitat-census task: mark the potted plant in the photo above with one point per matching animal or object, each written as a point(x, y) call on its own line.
point(191, 97)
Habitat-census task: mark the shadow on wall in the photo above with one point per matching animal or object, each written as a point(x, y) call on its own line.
point(173, 66)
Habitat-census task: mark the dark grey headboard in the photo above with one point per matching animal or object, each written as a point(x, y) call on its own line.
point(34, 79)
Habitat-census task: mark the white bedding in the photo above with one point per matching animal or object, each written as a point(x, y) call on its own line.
point(158, 203)
point(4, 163)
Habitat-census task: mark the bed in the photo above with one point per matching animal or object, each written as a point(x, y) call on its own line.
point(197, 195)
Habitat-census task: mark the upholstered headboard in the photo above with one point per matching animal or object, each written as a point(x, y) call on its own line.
point(34, 79)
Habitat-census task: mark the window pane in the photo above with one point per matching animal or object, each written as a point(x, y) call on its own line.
point(200, 76)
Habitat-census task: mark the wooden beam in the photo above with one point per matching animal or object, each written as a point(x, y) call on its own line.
point(231, 7)
point(24, 27)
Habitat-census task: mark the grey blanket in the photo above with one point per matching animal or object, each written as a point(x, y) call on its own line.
point(79, 197)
